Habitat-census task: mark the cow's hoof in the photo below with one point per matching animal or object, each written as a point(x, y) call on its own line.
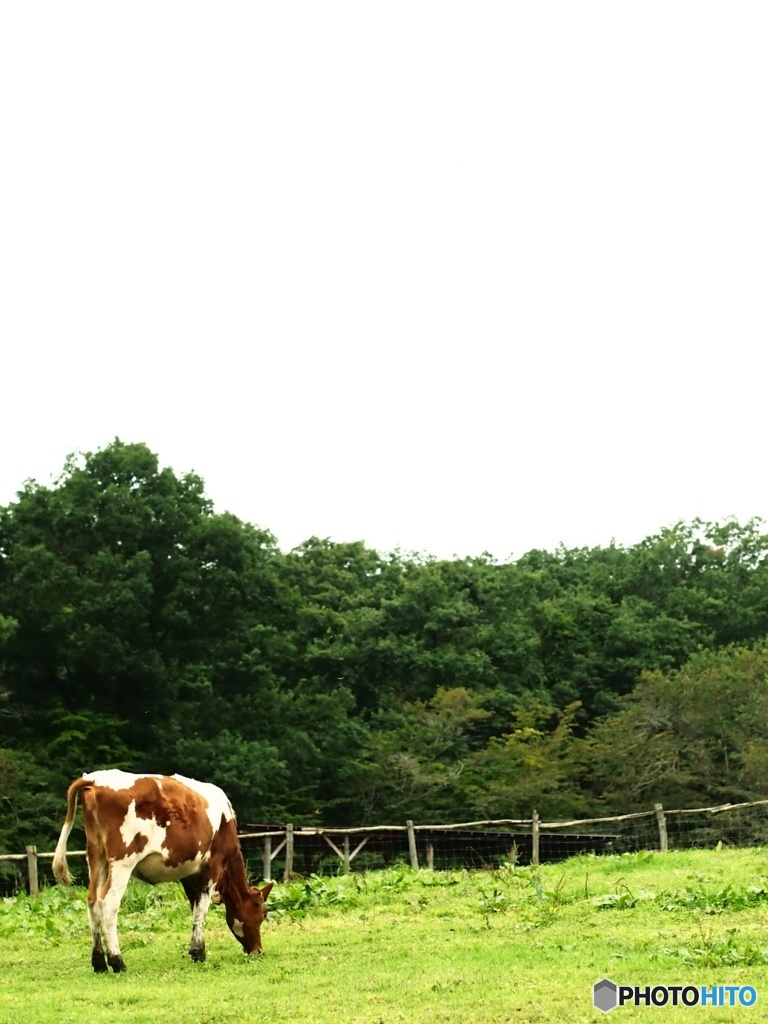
point(198, 955)
point(99, 963)
point(116, 963)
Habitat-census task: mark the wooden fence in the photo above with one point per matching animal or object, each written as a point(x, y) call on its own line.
point(508, 833)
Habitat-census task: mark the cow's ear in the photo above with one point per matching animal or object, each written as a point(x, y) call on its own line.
point(267, 889)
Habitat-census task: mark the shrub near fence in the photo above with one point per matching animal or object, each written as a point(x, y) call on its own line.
point(290, 849)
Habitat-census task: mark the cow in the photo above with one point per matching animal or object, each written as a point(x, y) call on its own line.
point(160, 828)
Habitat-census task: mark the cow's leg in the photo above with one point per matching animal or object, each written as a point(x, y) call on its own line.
point(109, 902)
point(199, 896)
point(98, 959)
point(97, 875)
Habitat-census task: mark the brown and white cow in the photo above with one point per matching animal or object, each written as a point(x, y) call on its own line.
point(160, 828)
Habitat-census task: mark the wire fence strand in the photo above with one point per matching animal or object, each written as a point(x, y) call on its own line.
point(469, 844)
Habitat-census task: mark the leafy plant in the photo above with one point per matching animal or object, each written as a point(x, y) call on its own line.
point(730, 897)
point(622, 899)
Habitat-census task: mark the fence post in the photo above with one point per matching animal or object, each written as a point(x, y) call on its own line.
point(288, 852)
point(535, 838)
point(412, 845)
point(32, 870)
point(430, 855)
point(266, 858)
point(345, 858)
point(661, 819)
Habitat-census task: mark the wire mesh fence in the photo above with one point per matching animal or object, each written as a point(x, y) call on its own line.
point(731, 825)
point(743, 824)
point(282, 851)
point(488, 844)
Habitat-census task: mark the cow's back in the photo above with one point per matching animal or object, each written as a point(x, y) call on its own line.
point(163, 825)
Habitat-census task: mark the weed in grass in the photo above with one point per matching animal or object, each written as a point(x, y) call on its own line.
point(622, 899)
point(51, 916)
point(715, 949)
point(730, 897)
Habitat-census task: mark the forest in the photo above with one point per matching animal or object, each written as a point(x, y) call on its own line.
point(334, 684)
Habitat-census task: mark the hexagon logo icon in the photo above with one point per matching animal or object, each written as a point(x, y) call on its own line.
point(604, 995)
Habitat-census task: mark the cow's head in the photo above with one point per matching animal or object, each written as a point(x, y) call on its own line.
point(253, 908)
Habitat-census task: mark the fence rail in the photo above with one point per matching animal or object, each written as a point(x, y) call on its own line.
point(478, 843)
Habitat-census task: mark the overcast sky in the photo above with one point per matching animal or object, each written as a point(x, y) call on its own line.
point(453, 277)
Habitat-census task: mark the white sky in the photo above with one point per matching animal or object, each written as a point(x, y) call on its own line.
point(452, 277)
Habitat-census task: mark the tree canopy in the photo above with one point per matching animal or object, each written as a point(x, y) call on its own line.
point(141, 629)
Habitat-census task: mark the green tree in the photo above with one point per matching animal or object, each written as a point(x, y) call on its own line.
point(32, 803)
point(691, 737)
point(133, 601)
point(537, 764)
point(411, 765)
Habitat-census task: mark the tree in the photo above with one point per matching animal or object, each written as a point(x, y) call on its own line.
point(132, 600)
point(691, 737)
point(411, 765)
point(536, 764)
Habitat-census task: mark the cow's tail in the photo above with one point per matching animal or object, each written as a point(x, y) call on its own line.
point(60, 869)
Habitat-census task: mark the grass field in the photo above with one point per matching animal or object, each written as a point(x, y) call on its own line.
point(518, 944)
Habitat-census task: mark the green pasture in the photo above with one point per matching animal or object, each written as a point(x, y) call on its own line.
point(517, 944)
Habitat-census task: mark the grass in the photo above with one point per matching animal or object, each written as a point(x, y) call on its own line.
point(517, 944)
